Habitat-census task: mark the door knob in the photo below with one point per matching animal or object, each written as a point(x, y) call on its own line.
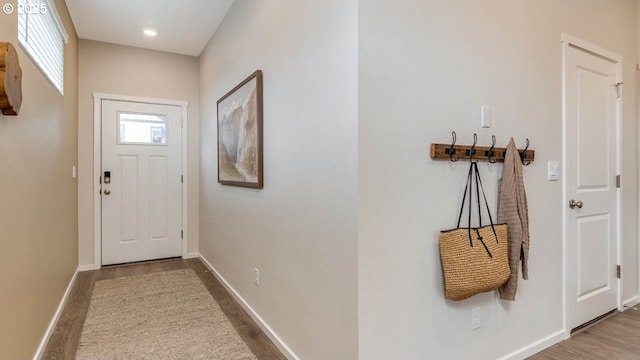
point(107, 192)
point(573, 204)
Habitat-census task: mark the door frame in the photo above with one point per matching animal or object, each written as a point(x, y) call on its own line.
point(571, 41)
point(97, 166)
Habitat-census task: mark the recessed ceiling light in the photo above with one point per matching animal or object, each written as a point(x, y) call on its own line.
point(150, 32)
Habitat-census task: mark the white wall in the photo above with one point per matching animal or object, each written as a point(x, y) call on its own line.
point(38, 207)
point(425, 69)
point(301, 229)
point(124, 70)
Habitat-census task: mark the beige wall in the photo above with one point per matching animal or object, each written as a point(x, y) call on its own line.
point(124, 70)
point(301, 229)
point(425, 69)
point(38, 200)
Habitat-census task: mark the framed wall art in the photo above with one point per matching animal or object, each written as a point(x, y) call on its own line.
point(240, 134)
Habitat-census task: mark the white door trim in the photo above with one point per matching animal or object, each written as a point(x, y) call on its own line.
point(571, 41)
point(97, 152)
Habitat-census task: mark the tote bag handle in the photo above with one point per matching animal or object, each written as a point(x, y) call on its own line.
point(474, 172)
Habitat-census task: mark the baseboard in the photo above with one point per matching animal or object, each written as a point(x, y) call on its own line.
point(191, 255)
point(277, 341)
point(536, 347)
point(88, 267)
point(56, 316)
point(631, 302)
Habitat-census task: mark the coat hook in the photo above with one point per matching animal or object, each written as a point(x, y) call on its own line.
point(472, 150)
point(522, 154)
point(489, 154)
point(451, 150)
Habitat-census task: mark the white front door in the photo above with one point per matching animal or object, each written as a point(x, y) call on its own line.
point(591, 157)
point(141, 181)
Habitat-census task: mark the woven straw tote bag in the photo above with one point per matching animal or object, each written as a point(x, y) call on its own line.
point(474, 260)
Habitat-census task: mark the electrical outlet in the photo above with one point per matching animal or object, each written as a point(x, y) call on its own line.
point(256, 273)
point(475, 319)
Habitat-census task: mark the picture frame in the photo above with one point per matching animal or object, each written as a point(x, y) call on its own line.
point(239, 124)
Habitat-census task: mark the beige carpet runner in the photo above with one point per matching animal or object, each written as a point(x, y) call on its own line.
point(166, 315)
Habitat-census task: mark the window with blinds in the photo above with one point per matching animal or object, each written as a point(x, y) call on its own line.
point(42, 36)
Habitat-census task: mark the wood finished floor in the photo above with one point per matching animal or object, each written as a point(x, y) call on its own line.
point(66, 335)
point(615, 338)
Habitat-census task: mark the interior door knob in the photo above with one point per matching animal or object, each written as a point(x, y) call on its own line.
point(575, 204)
point(107, 192)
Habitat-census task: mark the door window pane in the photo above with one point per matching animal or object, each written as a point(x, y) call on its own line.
point(142, 129)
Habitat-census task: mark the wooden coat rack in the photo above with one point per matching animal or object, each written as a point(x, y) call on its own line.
point(492, 154)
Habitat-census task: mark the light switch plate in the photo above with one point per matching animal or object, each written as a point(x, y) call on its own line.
point(486, 116)
point(553, 171)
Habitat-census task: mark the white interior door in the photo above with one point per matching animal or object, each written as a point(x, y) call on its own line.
point(591, 158)
point(141, 181)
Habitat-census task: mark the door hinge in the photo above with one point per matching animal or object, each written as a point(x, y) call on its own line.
point(182, 179)
point(619, 272)
point(181, 234)
point(618, 89)
point(618, 181)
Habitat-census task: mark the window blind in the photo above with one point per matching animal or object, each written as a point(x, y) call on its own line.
point(42, 36)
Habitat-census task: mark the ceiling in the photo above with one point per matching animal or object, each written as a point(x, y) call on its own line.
point(183, 26)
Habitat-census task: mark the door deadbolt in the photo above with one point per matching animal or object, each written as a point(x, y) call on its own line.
point(575, 204)
point(107, 177)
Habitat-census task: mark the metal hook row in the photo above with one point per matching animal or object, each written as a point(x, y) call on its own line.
point(488, 153)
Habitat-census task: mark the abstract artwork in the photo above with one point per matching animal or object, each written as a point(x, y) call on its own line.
point(240, 134)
